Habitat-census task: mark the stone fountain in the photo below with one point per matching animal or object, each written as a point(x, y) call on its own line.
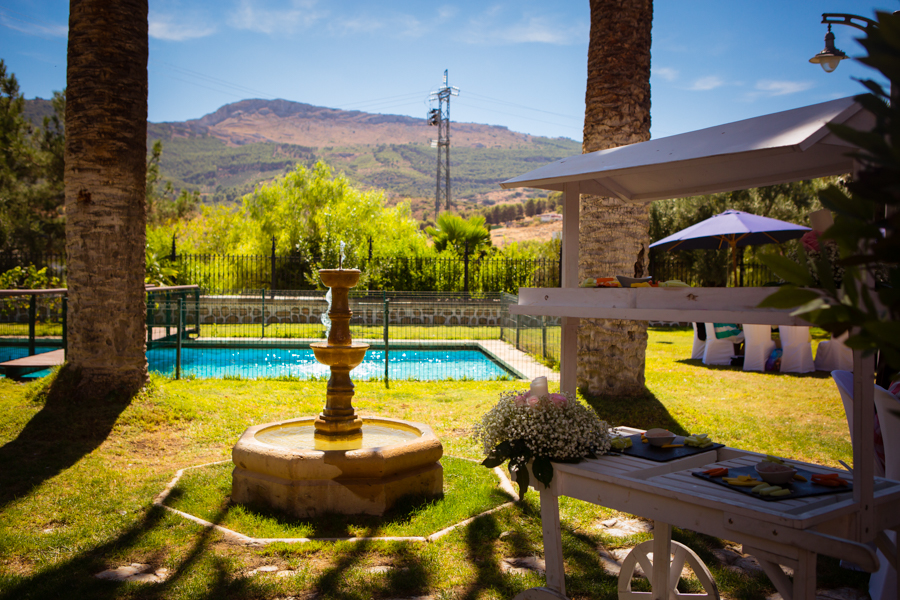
point(337, 462)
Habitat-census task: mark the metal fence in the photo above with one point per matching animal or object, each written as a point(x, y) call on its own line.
point(227, 274)
point(412, 335)
point(664, 267)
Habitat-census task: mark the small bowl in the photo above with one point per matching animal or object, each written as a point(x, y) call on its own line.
point(659, 437)
point(775, 473)
point(626, 282)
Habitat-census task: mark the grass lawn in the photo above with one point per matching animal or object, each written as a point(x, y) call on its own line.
point(77, 485)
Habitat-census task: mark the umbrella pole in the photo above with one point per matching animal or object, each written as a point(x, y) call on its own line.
point(733, 244)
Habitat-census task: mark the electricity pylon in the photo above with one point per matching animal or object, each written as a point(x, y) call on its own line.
point(440, 118)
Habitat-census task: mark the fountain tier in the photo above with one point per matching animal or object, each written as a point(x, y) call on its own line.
point(307, 482)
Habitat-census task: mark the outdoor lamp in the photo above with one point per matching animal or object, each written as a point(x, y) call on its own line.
point(831, 57)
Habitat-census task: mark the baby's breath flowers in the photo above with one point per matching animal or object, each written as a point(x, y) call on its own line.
point(548, 427)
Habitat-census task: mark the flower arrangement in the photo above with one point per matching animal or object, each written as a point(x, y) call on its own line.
point(541, 427)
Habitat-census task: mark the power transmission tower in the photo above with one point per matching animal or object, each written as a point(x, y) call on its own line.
point(440, 118)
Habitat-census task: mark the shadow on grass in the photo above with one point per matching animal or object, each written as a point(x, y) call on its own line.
point(68, 427)
point(74, 578)
point(643, 412)
point(699, 363)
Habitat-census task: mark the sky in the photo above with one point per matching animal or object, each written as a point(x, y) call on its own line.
point(517, 63)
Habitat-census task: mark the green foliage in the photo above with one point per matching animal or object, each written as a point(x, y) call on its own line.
point(460, 235)
point(27, 278)
point(31, 174)
point(790, 202)
point(867, 219)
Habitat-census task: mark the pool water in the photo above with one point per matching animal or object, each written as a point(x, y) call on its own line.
point(14, 352)
point(255, 363)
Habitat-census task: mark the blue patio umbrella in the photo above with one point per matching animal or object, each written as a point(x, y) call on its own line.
point(731, 229)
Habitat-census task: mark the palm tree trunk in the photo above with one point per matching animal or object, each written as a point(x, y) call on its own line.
point(105, 183)
point(614, 235)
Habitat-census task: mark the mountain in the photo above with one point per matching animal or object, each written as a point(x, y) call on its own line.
point(226, 153)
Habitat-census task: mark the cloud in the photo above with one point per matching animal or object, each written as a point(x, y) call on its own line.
point(535, 29)
point(48, 30)
point(666, 73)
point(275, 17)
point(704, 84)
point(773, 87)
point(165, 27)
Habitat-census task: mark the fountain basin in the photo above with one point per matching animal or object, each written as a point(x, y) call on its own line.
point(281, 465)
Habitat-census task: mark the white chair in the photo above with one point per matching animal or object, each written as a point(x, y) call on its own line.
point(796, 351)
point(758, 345)
point(844, 382)
point(699, 345)
point(834, 354)
point(716, 351)
point(883, 583)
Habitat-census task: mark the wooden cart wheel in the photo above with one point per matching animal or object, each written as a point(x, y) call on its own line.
point(540, 593)
point(640, 554)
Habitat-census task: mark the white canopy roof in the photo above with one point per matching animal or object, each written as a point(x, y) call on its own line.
point(767, 150)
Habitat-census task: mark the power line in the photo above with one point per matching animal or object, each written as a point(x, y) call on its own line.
point(507, 103)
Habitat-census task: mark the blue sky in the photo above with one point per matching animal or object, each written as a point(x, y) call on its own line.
point(517, 63)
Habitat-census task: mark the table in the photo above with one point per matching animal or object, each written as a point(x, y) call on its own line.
point(786, 532)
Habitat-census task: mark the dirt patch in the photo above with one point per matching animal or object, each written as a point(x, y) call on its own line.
point(542, 232)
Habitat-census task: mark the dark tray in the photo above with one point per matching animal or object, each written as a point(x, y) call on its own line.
point(642, 450)
point(801, 489)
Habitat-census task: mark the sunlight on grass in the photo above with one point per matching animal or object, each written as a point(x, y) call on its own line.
point(469, 489)
point(78, 484)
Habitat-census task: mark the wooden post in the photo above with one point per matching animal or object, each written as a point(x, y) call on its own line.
point(864, 445)
point(662, 547)
point(568, 359)
point(553, 557)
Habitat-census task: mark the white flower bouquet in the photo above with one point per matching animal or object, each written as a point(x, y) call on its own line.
point(540, 427)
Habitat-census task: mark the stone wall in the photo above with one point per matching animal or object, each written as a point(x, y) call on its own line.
point(235, 310)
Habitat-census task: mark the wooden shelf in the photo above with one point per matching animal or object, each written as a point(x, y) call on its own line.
point(701, 305)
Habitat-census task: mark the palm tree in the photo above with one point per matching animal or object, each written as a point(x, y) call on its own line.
point(460, 234)
point(105, 184)
point(614, 236)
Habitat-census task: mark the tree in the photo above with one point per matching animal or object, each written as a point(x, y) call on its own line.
point(866, 225)
point(614, 236)
point(459, 234)
point(530, 209)
point(105, 187)
point(31, 174)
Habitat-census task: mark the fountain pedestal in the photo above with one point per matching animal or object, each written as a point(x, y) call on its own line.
point(336, 462)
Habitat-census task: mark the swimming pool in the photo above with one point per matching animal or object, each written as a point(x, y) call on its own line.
point(265, 362)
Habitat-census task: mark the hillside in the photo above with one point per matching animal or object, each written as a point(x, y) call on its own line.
point(226, 153)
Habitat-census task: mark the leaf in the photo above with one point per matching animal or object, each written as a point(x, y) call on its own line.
point(788, 270)
point(542, 469)
point(519, 470)
point(498, 455)
point(789, 296)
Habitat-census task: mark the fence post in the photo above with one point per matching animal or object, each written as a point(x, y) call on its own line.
point(387, 315)
point(178, 341)
point(32, 317)
point(466, 267)
point(65, 325)
point(263, 316)
point(517, 331)
point(169, 309)
point(543, 337)
point(273, 268)
point(559, 266)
